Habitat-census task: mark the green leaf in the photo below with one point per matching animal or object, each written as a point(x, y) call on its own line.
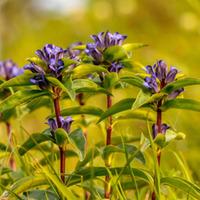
point(65, 191)
point(54, 156)
point(133, 46)
point(120, 106)
point(77, 110)
point(185, 104)
point(136, 114)
point(42, 194)
point(60, 136)
point(65, 88)
point(4, 147)
point(21, 80)
point(183, 185)
point(21, 97)
point(38, 62)
point(91, 155)
point(83, 83)
point(131, 149)
point(180, 84)
point(110, 80)
point(34, 140)
point(114, 53)
point(134, 81)
point(24, 184)
point(143, 98)
point(93, 172)
point(78, 141)
point(86, 69)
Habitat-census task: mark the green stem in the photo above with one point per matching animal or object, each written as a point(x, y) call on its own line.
point(56, 102)
point(9, 133)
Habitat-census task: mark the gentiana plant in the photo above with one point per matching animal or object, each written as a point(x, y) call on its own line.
point(117, 167)
point(8, 70)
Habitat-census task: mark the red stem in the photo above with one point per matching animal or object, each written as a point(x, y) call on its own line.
point(58, 114)
point(108, 142)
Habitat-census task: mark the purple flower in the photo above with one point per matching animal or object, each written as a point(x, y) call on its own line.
point(52, 56)
point(164, 128)
point(40, 80)
point(8, 69)
point(159, 77)
point(73, 53)
point(65, 123)
point(115, 67)
point(101, 42)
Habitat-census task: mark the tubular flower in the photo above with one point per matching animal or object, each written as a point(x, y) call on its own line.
point(164, 128)
point(101, 42)
point(159, 77)
point(8, 69)
point(65, 123)
point(52, 56)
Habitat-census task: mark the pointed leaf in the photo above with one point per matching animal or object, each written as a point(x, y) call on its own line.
point(114, 53)
point(21, 97)
point(65, 191)
point(86, 69)
point(93, 172)
point(64, 88)
point(60, 136)
point(21, 80)
point(134, 81)
point(185, 104)
point(34, 140)
point(83, 83)
point(136, 114)
point(133, 46)
point(78, 140)
point(183, 185)
point(180, 84)
point(120, 106)
point(24, 184)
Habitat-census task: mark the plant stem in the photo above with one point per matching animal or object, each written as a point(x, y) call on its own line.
point(108, 142)
point(9, 133)
point(159, 126)
point(82, 103)
point(56, 102)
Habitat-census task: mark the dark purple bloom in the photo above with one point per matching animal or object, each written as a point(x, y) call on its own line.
point(175, 93)
point(73, 53)
point(101, 42)
point(115, 67)
point(65, 123)
point(159, 77)
point(40, 80)
point(52, 56)
point(8, 69)
point(164, 128)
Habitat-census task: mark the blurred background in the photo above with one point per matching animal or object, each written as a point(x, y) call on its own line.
point(170, 28)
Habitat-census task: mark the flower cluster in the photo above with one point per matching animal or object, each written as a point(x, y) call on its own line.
point(159, 77)
point(101, 42)
point(65, 123)
point(8, 69)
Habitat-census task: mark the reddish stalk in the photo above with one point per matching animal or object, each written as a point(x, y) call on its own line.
point(159, 126)
point(108, 142)
point(56, 102)
point(11, 160)
point(82, 103)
